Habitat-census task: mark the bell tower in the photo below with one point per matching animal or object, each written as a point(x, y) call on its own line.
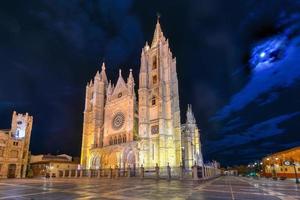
point(159, 113)
point(93, 115)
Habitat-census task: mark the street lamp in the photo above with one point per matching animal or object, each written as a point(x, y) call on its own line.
point(292, 162)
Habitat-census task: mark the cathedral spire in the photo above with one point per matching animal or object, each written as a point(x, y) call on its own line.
point(130, 77)
point(103, 73)
point(130, 82)
point(190, 118)
point(109, 89)
point(120, 79)
point(158, 34)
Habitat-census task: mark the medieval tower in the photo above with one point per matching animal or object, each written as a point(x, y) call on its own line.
point(159, 113)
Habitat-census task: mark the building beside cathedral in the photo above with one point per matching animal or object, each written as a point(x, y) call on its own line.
point(119, 130)
point(14, 146)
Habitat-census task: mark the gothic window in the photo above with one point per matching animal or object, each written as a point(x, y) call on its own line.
point(153, 101)
point(118, 121)
point(152, 151)
point(110, 141)
point(115, 140)
point(119, 139)
point(154, 64)
point(154, 79)
point(124, 138)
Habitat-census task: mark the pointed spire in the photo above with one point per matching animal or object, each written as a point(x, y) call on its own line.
point(158, 34)
point(130, 77)
point(109, 88)
point(120, 79)
point(130, 82)
point(103, 73)
point(97, 76)
point(190, 118)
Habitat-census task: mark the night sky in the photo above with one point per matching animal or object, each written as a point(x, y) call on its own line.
point(238, 64)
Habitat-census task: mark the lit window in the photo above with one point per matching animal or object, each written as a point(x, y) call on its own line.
point(154, 80)
point(154, 65)
point(153, 101)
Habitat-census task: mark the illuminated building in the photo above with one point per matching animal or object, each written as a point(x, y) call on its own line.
point(119, 131)
point(52, 165)
point(14, 146)
point(281, 164)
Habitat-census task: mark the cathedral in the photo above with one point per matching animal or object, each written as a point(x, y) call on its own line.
point(122, 130)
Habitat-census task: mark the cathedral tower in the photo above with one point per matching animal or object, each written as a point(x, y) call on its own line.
point(159, 113)
point(93, 115)
point(191, 146)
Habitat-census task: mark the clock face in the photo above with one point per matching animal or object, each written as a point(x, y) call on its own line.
point(118, 121)
point(154, 129)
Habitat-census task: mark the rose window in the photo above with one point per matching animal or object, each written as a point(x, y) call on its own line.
point(118, 121)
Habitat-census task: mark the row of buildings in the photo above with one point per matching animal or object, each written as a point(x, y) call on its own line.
point(15, 158)
point(283, 164)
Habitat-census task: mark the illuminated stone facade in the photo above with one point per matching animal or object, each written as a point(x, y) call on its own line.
point(14, 146)
point(190, 137)
point(119, 131)
point(282, 164)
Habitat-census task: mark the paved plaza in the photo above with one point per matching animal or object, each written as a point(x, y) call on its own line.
point(133, 188)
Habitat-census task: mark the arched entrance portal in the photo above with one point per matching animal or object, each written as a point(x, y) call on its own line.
point(96, 162)
point(129, 158)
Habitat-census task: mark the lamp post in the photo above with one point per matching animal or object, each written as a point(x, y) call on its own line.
point(292, 162)
point(296, 175)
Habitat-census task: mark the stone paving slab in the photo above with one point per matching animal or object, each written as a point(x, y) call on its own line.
point(223, 188)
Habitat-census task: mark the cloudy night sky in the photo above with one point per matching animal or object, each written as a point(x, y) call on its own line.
point(238, 64)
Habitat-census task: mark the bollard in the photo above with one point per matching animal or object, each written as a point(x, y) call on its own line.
point(128, 171)
point(157, 171)
point(99, 173)
point(70, 173)
point(80, 173)
point(89, 173)
point(180, 172)
point(76, 173)
point(142, 172)
point(110, 172)
point(63, 173)
point(195, 173)
point(169, 172)
point(117, 171)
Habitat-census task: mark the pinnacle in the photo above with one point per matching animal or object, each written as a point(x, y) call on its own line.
point(103, 66)
point(158, 34)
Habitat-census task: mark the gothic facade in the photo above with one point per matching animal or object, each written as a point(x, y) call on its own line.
point(119, 131)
